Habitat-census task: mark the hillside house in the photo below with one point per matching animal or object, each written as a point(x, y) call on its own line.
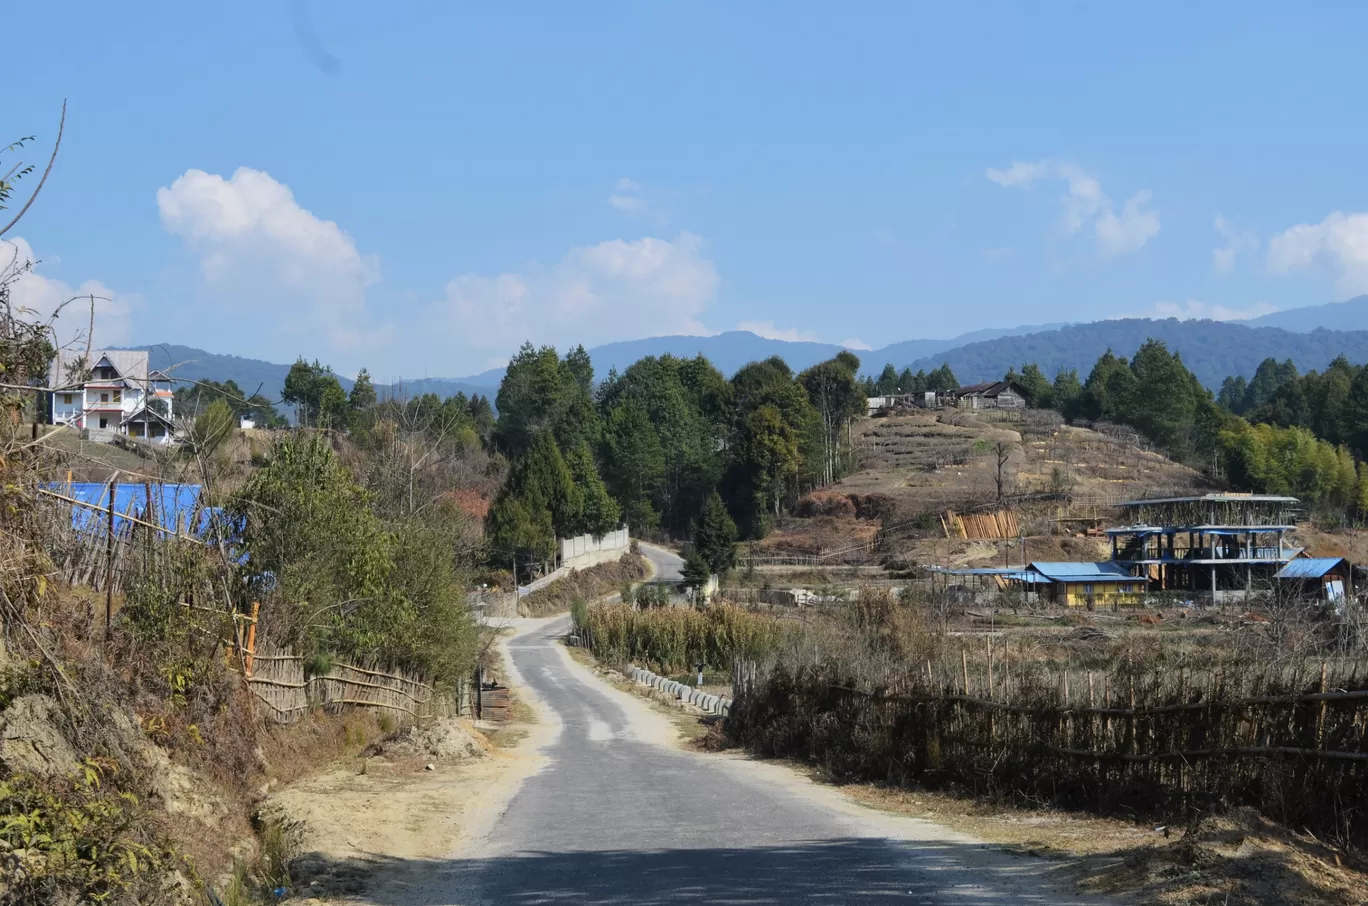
point(990, 395)
point(117, 395)
point(1215, 545)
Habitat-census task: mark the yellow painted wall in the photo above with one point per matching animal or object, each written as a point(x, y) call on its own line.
point(1076, 595)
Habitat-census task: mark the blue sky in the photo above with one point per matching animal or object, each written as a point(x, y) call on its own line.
point(419, 187)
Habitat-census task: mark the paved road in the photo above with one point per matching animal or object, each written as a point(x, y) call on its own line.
point(667, 564)
point(622, 816)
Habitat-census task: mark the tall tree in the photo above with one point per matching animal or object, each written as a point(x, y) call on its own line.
point(634, 464)
point(1036, 387)
point(942, 380)
point(833, 392)
point(318, 397)
point(540, 392)
point(714, 536)
point(599, 512)
point(362, 396)
point(887, 383)
point(1066, 392)
point(769, 453)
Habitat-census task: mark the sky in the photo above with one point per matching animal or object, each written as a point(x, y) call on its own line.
point(421, 187)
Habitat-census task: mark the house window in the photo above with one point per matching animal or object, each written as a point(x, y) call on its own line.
point(118, 396)
point(104, 397)
point(66, 398)
point(135, 429)
point(157, 430)
point(104, 423)
point(1088, 590)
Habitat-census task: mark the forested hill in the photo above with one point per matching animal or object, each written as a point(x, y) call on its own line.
point(1212, 350)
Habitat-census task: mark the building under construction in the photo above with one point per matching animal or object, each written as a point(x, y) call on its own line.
point(1209, 545)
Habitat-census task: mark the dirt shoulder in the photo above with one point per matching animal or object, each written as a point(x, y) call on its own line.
point(379, 823)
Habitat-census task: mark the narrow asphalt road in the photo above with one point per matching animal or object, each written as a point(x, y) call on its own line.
point(620, 815)
point(667, 564)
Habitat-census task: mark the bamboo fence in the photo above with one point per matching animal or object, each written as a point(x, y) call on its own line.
point(279, 681)
point(1291, 741)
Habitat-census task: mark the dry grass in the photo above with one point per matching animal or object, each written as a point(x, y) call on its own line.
point(584, 584)
point(1241, 859)
point(933, 461)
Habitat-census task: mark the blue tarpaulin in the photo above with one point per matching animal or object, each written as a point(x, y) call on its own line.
point(173, 506)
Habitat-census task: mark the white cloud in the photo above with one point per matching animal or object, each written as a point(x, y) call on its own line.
point(1237, 243)
point(1194, 310)
point(42, 296)
point(616, 290)
point(259, 248)
point(856, 343)
point(767, 330)
point(1339, 243)
point(632, 197)
point(1019, 173)
point(1086, 203)
point(1128, 232)
point(629, 203)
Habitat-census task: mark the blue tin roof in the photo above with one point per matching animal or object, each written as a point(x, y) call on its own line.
point(1309, 568)
point(1105, 571)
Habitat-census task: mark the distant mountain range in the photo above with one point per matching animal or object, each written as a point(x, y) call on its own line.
point(1311, 337)
point(187, 363)
point(1351, 314)
point(1213, 350)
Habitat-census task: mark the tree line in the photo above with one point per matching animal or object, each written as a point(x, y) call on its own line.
point(1279, 433)
point(668, 446)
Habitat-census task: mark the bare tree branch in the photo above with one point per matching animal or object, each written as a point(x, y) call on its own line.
point(61, 127)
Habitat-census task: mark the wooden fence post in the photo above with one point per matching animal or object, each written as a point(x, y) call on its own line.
point(251, 638)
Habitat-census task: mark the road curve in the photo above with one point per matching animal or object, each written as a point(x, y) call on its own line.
point(668, 565)
point(621, 815)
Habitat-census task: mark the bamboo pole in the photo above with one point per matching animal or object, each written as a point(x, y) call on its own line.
point(109, 564)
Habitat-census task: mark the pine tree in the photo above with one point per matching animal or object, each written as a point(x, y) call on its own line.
point(599, 512)
point(714, 536)
point(362, 396)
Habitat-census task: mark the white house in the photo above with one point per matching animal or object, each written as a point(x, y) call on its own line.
point(117, 394)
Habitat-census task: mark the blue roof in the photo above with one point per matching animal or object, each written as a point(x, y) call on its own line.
point(1309, 567)
point(1105, 571)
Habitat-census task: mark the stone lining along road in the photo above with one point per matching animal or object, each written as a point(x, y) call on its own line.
point(615, 812)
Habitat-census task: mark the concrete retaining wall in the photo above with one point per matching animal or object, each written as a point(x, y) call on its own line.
point(712, 704)
point(587, 550)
